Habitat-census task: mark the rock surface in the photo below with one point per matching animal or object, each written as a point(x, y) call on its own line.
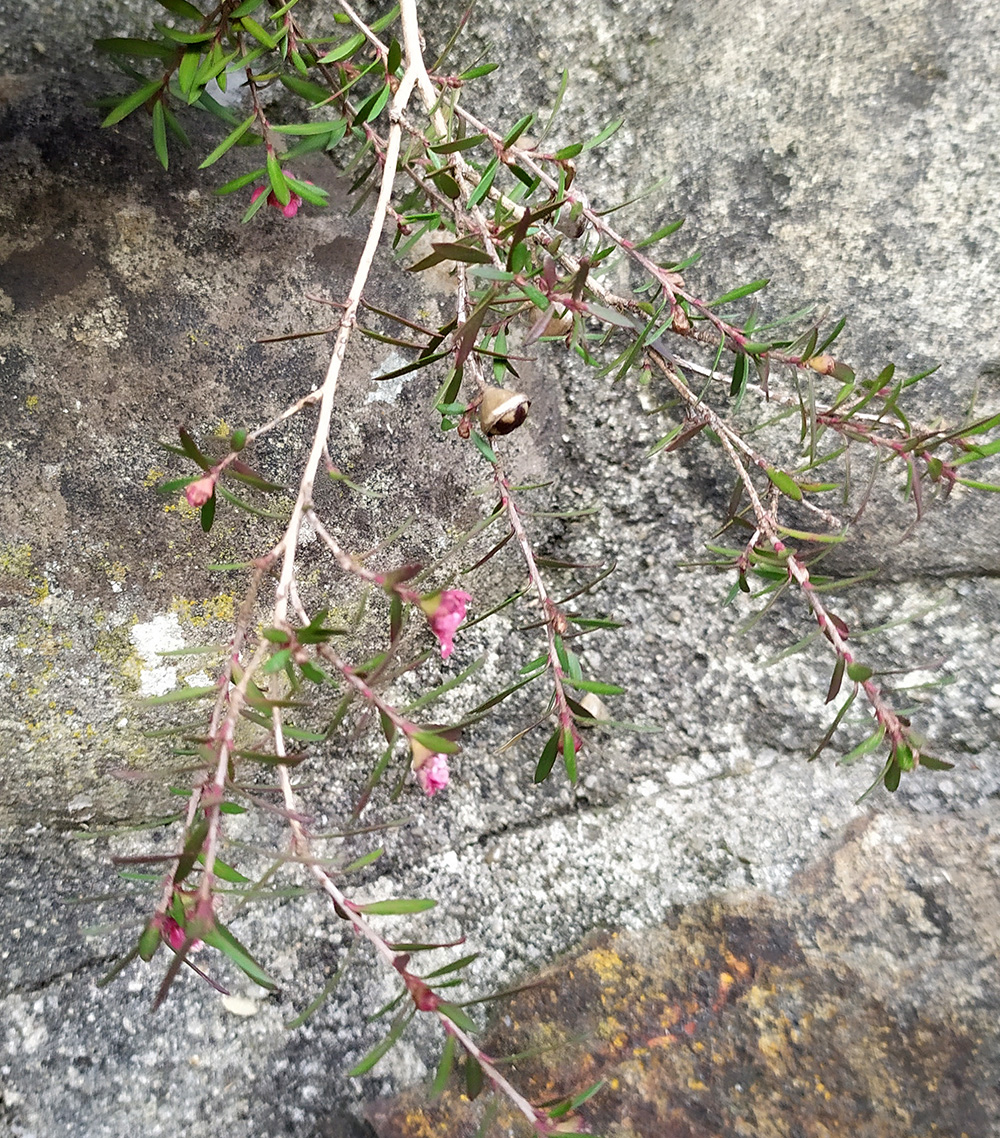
point(849, 156)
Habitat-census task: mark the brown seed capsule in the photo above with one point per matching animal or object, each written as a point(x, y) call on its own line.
point(823, 364)
point(502, 411)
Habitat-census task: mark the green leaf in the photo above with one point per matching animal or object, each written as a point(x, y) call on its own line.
point(313, 672)
point(192, 847)
point(517, 130)
point(221, 938)
point(376, 1053)
point(225, 872)
point(132, 102)
point(187, 71)
point(436, 743)
point(454, 966)
point(361, 862)
point(452, 251)
point(160, 134)
point(277, 662)
point(933, 764)
point(598, 687)
point(610, 316)
point(373, 106)
point(903, 757)
point(992, 487)
point(485, 182)
point(458, 144)
point(397, 906)
point(261, 35)
point(866, 747)
point(740, 372)
point(182, 8)
point(738, 293)
point(277, 179)
point(891, 776)
point(241, 181)
point(315, 195)
point(859, 673)
point(327, 126)
point(548, 757)
point(312, 92)
point(122, 45)
point(245, 9)
point(479, 70)
point(178, 695)
point(659, 234)
point(444, 1067)
point(483, 447)
point(837, 329)
point(208, 513)
point(785, 483)
point(149, 942)
point(291, 760)
point(568, 152)
point(346, 49)
point(569, 754)
point(229, 141)
point(394, 58)
point(458, 1017)
point(604, 135)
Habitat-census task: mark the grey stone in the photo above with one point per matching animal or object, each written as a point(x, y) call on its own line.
point(847, 155)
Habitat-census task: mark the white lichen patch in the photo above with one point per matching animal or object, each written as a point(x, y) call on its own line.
point(106, 325)
point(389, 391)
point(163, 633)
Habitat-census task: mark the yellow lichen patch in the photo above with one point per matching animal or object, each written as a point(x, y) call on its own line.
point(606, 963)
point(758, 997)
point(117, 571)
point(223, 430)
point(153, 475)
point(31, 403)
point(182, 506)
point(773, 1044)
point(115, 647)
point(197, 614)
point(15, 559)
point(40, 593)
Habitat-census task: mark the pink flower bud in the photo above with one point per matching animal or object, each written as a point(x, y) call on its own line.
point(289, 210)
point(175, 936)
point(198, 493)
point(430, 767)
point(445, 611)
point(433, 775)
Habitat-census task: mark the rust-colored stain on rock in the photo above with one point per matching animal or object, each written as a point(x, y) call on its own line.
point(732, 1023)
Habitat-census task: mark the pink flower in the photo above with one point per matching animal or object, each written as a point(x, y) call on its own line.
point(289, 210)
point(445, 611)
point(432, 773)
point(198, 493)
